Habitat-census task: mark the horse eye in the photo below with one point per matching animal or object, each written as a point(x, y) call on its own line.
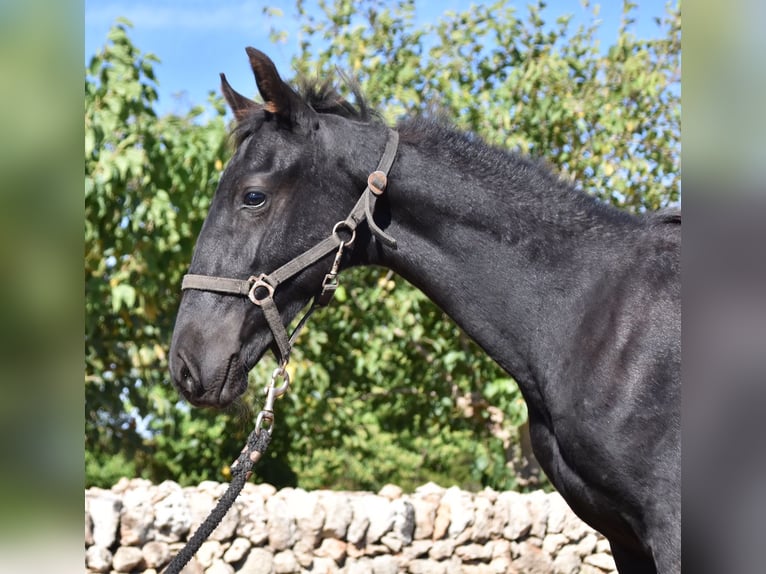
point(254, 198)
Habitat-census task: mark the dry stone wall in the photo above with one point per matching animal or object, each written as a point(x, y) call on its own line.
point(137, 526)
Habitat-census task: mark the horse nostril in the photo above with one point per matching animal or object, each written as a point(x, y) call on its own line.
point(186, 381)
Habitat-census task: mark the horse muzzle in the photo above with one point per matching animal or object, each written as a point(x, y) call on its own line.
point(220, 388)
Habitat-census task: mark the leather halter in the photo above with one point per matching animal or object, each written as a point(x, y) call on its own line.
point(260, 288)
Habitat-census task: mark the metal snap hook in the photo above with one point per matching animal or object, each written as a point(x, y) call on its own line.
point(265, 418)
point(279, 372)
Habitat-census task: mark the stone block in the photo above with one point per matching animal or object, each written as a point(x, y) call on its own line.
point(258, 561)
point(338, 513)
point(104, 508)
point(237, 551)
point(127, 559)
point(156, 554)
point(603, 561)
point(285, 562)
point(98, 559)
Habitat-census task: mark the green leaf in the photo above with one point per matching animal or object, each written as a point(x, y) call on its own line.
point(123, 295)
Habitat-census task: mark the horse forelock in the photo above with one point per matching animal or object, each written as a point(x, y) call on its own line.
point(322, 96)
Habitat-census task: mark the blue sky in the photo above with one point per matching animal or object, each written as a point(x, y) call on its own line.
point(198, 39)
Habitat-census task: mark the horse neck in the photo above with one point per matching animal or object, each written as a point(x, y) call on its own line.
point(498, 242)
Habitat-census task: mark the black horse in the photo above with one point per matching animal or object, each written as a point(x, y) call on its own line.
point(578, 301)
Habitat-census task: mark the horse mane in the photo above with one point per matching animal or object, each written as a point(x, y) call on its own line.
point(466, 149)
point(543, 190)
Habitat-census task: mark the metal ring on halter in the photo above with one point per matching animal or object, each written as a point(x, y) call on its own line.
point(345, 224)
point(259, 282)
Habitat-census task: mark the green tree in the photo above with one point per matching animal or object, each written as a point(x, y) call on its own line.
point(387, 389)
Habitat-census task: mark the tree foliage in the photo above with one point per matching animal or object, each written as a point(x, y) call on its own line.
point(387, 389)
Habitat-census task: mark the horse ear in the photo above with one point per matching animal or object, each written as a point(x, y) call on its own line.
point(279, 98)
point(239, 104)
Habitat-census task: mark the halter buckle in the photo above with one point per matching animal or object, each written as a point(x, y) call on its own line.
point(260, 281)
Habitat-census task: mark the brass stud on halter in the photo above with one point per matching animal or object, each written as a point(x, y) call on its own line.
point(377, 182)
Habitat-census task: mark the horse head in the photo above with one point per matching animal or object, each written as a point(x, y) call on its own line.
point(293, 177)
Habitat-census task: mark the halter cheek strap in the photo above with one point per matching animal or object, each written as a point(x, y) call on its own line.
point(260, 289)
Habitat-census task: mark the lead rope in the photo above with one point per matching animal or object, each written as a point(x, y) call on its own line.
point(241, 470)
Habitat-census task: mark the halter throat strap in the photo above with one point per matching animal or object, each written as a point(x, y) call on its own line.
point(260, 289)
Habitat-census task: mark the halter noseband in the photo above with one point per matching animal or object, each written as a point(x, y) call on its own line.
point(260, 288)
